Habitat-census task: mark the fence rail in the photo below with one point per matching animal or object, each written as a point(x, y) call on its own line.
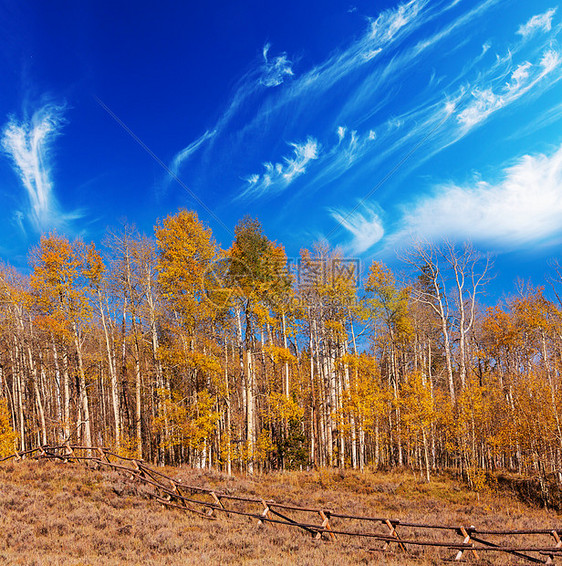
point(330, 524)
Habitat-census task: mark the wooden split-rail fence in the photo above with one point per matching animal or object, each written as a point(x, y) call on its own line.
point(396, 535)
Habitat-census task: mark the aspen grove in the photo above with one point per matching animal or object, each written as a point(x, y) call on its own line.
point(173, 350)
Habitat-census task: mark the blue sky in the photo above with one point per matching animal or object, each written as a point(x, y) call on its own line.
point(369, 124)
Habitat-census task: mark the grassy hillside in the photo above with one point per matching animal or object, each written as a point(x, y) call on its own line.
point(53, 513)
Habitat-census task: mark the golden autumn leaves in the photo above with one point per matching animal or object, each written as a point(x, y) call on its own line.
point(172, 349)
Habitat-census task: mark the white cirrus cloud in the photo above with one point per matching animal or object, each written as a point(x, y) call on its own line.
point(390, 22)
point(335, 160)
point(375, 59)
point(28, 144)
point(526, 76)
point(389, 28)
point(485, 102)
point(278, 176)
point(467, 18)
point(341, 132)
point(550, 60)
point(275, 70)
point(184, 154)
point(271, 73)
point(540, 22)
point(519, 76)
point(364, 225)
point(523, 208)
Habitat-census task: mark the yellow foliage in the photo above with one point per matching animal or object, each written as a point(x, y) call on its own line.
point(279, 354)
point(388, 302)
point(283, 407)
point(94, 266)
point(368, 398)
point(8, 436)
point(58, 267)
point(185, 261)
point(188, 424)
point(477, 479)
point(205, 364)
point(417, 404)
point(336, 330)
point(263, 446)
point(128, 447)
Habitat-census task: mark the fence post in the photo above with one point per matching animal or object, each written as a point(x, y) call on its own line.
point(464, 532)
point(219, 502)
point(69, 453)
point(265, 513)
point(392, 532)
point(556, 536)
point(103, 454)
point(324, 515)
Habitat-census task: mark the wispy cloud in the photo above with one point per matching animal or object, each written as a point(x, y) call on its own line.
point(275, 70)
point(523, 208)
point(390, 22)
point(350, 148)
point(372, 60)
point(365, 227)
point(272, 72)
point(28, 143)
point(18, 219)
point(188, 151)
point(372, 93)
point(540, 22)
point(485, 102)
point(278, 176)
point(372, 130)
point(445, 116)
point(548, 118)
point(467, 18)
point(523, 78)
point(388, 29)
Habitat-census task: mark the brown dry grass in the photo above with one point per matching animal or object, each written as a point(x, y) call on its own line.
point(54, 513)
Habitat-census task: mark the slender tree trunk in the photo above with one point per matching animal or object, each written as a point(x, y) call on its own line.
point(250, 413)
point(66, 383)
point(18, 394)
point(426, 455)
point(228, 416)
point(138, 398)
point(112, 376)
point(84, 405)
point(35, 378)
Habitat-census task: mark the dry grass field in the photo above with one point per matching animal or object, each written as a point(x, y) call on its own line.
point(67, 514)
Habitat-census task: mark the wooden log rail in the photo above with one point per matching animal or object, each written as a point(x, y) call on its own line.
point(209, 503)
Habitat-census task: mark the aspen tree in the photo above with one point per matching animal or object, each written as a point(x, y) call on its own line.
point(431, 291)
point(418, 412)
point(256, 277)
point(128, 277)
point(186, 252)
point(94, 272)
point(15, 298)
point(57, 280)
point(470, 272)
point(388, 306)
